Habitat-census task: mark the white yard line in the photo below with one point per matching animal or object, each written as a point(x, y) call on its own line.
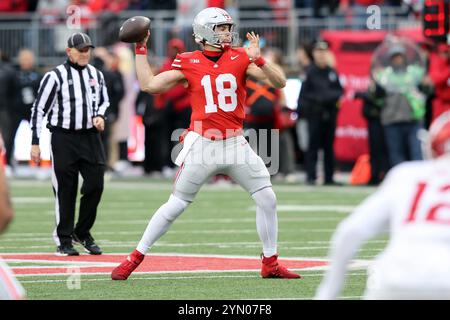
point(36, 236)
point(311, 208)
point(176, 277)
point(354, 265)
point(369, 241)
point(168, 185)
point(125, 244)
point(13, 236)
point(43, 234)
point(48, 239)
point(206, 220)
point(60, 264)
point(21, 200)
point(169, 254)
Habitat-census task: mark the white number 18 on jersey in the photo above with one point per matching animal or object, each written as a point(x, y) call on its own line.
point(222, 93)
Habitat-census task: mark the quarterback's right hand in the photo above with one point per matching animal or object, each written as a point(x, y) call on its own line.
point(144, 41)
point(35, 154)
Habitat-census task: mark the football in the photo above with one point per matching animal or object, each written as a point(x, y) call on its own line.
point(134, 29)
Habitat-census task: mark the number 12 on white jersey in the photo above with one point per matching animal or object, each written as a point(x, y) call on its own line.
point(222, 93)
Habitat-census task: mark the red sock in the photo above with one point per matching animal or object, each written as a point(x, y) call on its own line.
point(136, 255)
point(269, 260)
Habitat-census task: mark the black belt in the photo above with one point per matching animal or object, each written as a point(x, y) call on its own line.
point(62, 130)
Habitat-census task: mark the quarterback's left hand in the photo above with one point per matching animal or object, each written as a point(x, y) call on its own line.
point(99, 123)
point(253, 51)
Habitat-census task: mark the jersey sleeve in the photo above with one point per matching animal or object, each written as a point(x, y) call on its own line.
point(104, 98)
point(177, 63)
point(44, 101)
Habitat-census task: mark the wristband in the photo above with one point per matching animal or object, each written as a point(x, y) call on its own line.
point(259, 62)
point(140, 49)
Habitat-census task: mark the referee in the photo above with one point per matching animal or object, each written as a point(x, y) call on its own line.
point(74, 98)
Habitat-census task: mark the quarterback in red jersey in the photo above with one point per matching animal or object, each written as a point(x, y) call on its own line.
point(215, 78)
point(224, 77)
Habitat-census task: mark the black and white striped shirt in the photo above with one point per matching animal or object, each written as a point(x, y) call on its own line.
point(70, 96)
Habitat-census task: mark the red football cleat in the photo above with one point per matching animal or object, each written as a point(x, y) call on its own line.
point(272, 269)
point(123, 271)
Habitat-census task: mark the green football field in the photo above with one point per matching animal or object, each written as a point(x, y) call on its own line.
point(219, 224)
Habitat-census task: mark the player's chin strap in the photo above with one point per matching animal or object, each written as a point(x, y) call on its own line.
point(223, 46)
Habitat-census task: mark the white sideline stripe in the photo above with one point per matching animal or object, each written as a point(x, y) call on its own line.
point(181, 277)
point(176, 65)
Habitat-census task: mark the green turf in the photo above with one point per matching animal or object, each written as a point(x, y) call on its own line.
point(220, 221)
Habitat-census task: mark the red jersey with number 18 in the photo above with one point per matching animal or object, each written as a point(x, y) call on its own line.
point(217, 91)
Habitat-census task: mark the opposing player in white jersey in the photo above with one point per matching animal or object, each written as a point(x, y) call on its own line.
point(215, 78)
point(413, 203)
point(10, 288)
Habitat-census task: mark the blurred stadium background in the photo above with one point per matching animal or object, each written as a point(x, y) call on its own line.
point(353, 29)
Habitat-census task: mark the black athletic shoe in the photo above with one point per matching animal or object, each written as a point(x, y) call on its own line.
point(333, 183)
point(66, 250)
point(88, 244)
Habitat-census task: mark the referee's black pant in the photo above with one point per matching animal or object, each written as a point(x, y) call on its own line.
point(75, 153)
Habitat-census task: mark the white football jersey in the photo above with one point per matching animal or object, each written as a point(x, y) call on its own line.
point(413, 204)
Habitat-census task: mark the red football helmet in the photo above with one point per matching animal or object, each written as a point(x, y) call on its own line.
point(440, 135)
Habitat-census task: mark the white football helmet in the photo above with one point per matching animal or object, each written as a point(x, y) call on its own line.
point(205, 23)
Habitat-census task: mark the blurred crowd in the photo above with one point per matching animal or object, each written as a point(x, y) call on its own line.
point(95, 6)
